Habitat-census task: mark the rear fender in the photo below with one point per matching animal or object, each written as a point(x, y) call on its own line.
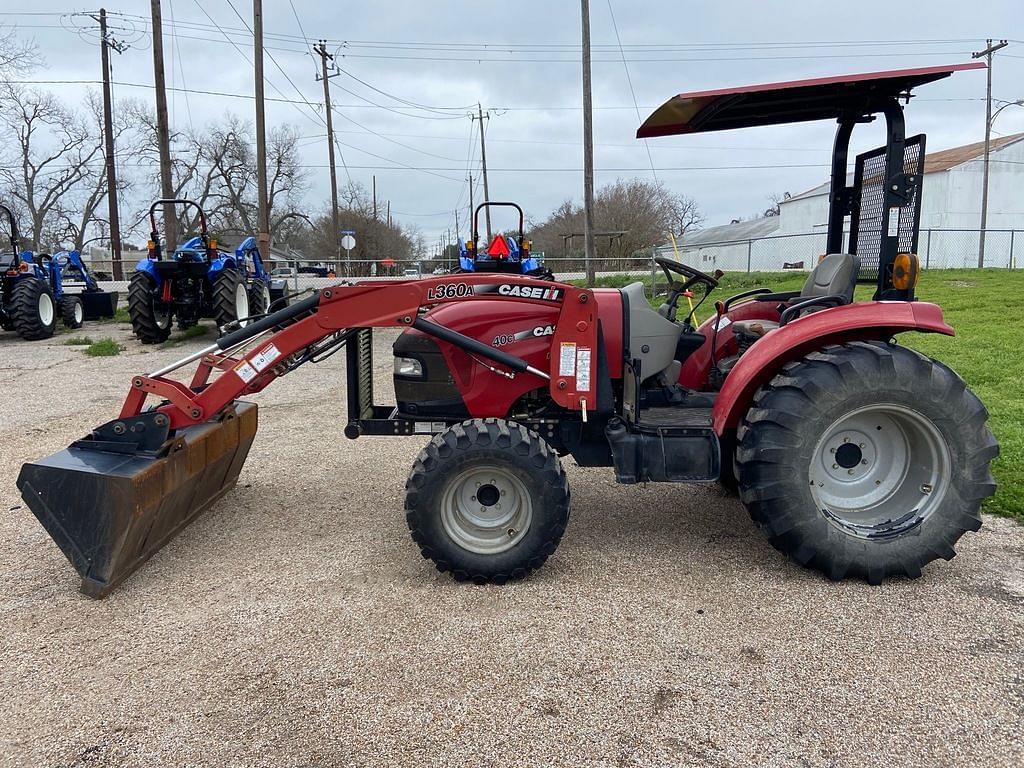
point(147, 266)
point(851, 322)
point(218, 265)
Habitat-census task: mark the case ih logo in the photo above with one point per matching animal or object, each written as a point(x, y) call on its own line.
point(463, 290)
point(510, 338)
point(531, 292)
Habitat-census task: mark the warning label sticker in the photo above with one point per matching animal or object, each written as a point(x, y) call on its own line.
point(567, 359)
point(894, 221)
point(583, 369)
point(723, 323)
point(265, 357)
point(245, 372)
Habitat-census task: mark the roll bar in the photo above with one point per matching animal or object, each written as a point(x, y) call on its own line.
point(15, 238)
point(498, 204)
point(170, 203)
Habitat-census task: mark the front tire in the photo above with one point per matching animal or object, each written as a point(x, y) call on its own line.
point(33, 309)
point(151, 318)
point(72, 311)
point(259, 298)
point(487, 500)
point(230, 298)
point(866, 460)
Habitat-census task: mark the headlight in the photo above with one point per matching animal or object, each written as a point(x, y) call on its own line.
point(408, 366)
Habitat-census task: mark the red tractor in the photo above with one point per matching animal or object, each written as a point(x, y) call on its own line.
point(855, 455)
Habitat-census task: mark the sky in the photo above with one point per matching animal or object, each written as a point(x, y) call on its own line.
point(411, 73)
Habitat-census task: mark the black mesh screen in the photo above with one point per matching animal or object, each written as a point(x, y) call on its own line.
point(868, 220)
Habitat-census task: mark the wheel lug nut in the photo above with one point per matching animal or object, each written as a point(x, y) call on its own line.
point(849, 471)
point(863, 461)
point(472, 498)
point(512, 532)
point(861, 445)
point(835, 466)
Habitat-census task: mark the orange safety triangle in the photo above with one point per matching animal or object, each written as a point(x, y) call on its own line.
point(499, 247)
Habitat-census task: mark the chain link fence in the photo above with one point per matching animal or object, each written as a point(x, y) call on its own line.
point(937, 248)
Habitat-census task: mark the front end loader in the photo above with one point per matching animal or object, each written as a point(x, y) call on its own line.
point(856, 456)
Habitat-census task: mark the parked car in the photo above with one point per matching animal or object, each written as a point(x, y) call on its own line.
point(283, 272)
point(410, 272)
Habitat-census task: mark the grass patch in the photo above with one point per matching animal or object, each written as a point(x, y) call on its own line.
point(189, 333)
point(121, 315)
point(78, 341)
point(984, 307)
point(104, 348)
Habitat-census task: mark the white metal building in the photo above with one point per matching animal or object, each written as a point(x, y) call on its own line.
point(950, 218)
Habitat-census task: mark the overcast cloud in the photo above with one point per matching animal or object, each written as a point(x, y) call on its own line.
point(409, 50)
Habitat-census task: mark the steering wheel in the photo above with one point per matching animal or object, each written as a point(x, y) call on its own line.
point(677, 289)
point(670, 267)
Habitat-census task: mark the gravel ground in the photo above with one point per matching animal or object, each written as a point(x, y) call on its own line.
point(296, 625)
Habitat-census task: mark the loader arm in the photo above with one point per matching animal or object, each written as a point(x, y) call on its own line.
point(369, 304)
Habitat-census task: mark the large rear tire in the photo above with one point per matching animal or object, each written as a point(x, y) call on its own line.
point(33, 309)
point(230, 298)
point(151, 319)
point(866, 460)
point(487, 500)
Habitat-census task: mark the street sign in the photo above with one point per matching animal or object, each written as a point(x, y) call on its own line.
point(348, 242)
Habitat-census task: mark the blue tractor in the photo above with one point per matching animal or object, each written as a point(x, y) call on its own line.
point(197, 281)
point(36, 288)
point(505, 253)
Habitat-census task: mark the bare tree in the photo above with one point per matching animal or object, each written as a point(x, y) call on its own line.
point(82, 209)
point(644, 212)
point(17, 55)
point(47, 152)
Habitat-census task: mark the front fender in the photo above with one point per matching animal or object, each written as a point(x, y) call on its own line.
point(850, 322)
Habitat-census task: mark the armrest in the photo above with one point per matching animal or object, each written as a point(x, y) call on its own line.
point(745, 295)
point(784, 296)
point(793, 310)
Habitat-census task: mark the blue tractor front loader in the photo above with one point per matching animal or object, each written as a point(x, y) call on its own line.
point(36, 288)
point(197, 281)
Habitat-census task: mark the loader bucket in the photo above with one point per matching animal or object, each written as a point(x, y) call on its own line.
point(98, 304)
point(110, 511)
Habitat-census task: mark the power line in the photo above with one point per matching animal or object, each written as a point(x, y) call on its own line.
point(629, 81)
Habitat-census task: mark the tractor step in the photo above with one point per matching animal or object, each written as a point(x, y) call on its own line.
point(669, 416)
point(666, 445)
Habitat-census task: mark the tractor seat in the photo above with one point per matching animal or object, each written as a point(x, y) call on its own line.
point(835, 275)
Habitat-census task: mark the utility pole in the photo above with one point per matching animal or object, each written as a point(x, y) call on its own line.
point(987, 54)
point(374, 197)
point(108, 139)
point(263, 239)
point(588, 150)
point(483, 163)
point(456, 223)
point(321, 48)
point(163, 134)
point(472, 211)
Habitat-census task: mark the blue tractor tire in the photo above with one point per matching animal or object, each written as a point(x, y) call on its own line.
point(72, 311)
point(33, 309)
point(151, 318)
point(230, 298)
point(259, 298)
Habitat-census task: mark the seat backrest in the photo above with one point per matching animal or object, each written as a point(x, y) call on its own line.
point(835, 274)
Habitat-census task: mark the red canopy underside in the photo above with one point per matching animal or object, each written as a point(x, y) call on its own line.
point(796, 101)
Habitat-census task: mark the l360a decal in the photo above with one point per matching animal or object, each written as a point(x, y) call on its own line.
point(464, 290)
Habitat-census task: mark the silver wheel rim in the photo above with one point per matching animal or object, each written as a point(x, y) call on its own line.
point(880, 470)
point(486, 510)
point(45, 308)
point(242, 305)
point(79, 313)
